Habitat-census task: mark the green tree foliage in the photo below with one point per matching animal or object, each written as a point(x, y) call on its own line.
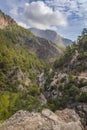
point(84, 32)
point(81, 47)
point(12, 102)
point(83, 97)
point(14, 53)
point(65, 58)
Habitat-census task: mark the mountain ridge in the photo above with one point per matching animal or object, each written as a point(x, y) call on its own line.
point(52, 36)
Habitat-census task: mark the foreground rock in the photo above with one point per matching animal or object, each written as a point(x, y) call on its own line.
point(46, 120)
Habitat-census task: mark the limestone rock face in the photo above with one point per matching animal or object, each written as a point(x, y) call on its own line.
point(46, 120)
point(5, 20)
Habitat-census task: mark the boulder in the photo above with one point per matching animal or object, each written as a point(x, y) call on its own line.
point(46, 120)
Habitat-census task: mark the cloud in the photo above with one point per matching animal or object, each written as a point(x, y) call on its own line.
point(48, 13)
point(39, 15)
point(14, 11)
point(23, 24)
point(68, 17)
point(69, 6)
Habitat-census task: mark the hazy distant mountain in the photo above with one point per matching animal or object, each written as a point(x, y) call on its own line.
point(52, 36)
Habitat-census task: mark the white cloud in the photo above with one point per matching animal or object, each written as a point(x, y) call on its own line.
point(14, 11)
point(78, 7)
point(50, 14)
point(71, 8)
point(23, 24)
point(39, 15)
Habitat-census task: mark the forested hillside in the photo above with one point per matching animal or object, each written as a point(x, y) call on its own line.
point(19, 69)
point(74, 58)
point(66, 85)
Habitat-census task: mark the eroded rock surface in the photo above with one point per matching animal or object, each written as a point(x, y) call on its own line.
point(46, 120)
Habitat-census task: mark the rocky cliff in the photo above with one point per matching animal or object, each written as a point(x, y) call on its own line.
point(5, 20)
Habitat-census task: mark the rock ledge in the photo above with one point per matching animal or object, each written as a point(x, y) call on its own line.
point(46, 120)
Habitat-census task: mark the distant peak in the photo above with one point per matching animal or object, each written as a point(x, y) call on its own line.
point(51, 35)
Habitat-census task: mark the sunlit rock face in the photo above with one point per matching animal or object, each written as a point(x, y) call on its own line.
point(46, 120)
point(5, 20)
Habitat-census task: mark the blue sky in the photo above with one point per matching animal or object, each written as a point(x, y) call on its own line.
point(67, 17)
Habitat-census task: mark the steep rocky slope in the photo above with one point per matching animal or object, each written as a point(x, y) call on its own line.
point(46, 120)
point(74, 59)
point(52, 36)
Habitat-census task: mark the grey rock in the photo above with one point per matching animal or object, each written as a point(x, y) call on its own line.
point(46, 120)
point(84, 89)
point(43, 99)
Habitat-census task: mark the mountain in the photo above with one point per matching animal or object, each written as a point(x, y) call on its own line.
point(43, 48)
point(52, 36)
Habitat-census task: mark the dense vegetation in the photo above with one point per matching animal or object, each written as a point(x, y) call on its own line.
point(64, 91)
point(79, 49)
point(67, 89)
point(17, 65)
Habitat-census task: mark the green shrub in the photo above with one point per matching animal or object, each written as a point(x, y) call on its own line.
point(34, 90)
point(83, 97)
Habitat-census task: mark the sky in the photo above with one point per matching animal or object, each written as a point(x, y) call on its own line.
point(67, 17)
